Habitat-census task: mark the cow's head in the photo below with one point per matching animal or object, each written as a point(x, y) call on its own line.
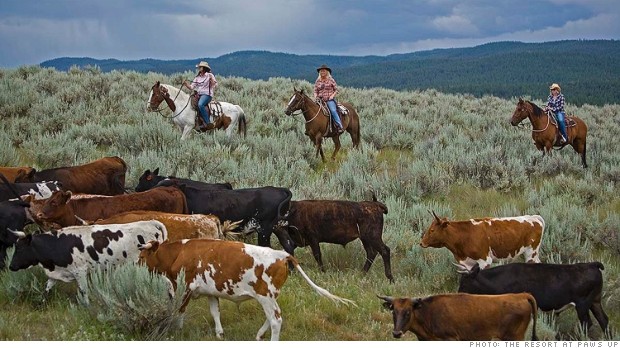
point(434, 236)
point(469, 281)
point(23, 257)
point(147, 254)
point(54, 209)
point(25, 175)
point(148, 180)
point(403, 313)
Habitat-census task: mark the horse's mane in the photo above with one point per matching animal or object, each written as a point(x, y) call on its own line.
point(171, 89)
point(537, 111)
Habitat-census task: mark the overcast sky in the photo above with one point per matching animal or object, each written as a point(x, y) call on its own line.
point(32, 31)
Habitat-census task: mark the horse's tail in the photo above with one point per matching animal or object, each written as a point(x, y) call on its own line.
point(358, 134)
point(242, 122)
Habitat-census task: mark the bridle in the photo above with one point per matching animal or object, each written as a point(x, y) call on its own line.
point(533, 129)
point(163, 96)
point(302, 105)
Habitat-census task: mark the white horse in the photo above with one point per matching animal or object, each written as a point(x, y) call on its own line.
point(185, 117)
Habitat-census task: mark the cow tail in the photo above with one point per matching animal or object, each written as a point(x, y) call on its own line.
point(599, 265)
point(118, 183)
point(534, 308)
point(293, 261)
point(286, 201)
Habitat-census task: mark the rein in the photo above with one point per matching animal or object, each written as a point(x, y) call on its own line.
point(544, 129)
point(302, 111)
point(159, 110)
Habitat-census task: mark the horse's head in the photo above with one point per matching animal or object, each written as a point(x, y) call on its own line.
point(296, 102)
point(522, 111)
point(158, 94)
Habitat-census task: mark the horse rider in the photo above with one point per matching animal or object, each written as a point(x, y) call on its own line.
point(325, 89)
point(555, 103)
point(204, 84)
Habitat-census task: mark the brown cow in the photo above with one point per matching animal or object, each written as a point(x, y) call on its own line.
point(179, 226)
point(105, 176)
point(63, 210)
point(311, 222)
point(230, 270)
point(464, 317)
point(17, 174)
point(481, 241)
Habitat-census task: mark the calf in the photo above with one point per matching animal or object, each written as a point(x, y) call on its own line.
point(179, 226)
point(150, 179)
point(555, 287)
point(70, 253)
point(63, 210)
point(230, 270)
point(464, 317)
point(311, 222)
point(105, 176)
point(481, 241)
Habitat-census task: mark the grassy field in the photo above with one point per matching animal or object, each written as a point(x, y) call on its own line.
point(421, 151)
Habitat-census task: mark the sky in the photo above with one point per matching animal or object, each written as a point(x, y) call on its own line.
point(33, 31)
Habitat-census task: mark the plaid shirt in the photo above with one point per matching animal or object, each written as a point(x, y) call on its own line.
point(556, 104)
point(204, 84)
point(323, 89)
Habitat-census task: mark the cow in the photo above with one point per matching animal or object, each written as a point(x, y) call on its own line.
point(14, 216)
point(231, 270)
point(40, 190)
point(481, 241)
point(555, 287)
point(179, 226)
point(311, 222)
point(259, 209)
point(463, 317)
point(62, 210)
point(70, 253)
point(17, 174)
point(150, 179)
point(105, 176)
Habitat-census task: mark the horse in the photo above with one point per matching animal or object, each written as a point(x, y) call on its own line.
point(185, 117)
point(318, 123)
point(545, 129)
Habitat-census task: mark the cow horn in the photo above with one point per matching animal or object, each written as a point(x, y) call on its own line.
point(435, 215)
point(386, 298)
point(18, 234)
point(146, 246)
point(460, 268)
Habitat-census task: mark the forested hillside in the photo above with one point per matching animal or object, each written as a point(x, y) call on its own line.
point(586, 69)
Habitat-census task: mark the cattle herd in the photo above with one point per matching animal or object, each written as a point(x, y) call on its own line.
point(87, 220)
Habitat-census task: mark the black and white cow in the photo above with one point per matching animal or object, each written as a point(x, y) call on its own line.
point(259, 209)
point(70, 253)
point(150, 179)
point(14, 216)
point(40, 190)
point(555, 287)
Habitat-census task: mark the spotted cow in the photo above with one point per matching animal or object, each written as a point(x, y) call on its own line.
point(463, 317)
point(481, 241)
point(70, 253)
point(229, 270)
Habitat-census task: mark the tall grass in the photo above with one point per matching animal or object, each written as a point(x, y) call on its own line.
point(421, 150)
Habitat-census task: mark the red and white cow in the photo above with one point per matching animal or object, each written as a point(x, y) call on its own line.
point(482, 241)
point(231, 270)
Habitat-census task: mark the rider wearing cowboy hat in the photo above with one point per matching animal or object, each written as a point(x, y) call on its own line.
point(204, 84)
point(325, 88)
point(555, 103)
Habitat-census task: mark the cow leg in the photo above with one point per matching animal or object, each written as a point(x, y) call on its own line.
point(3, 248)
point(274, 318)
point(384, 250)
point(316, 252)
point(600, 315)
point(371, 254)
point(214, 307)
point(531, 255)
point(583, 315)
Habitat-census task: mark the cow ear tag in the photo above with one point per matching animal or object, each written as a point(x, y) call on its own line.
point(149, 178)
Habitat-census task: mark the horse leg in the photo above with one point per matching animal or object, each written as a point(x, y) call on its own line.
point(319, 149)
point(188, 128)
point(336, 146)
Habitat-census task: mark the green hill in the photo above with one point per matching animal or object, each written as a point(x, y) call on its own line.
point(586, 69)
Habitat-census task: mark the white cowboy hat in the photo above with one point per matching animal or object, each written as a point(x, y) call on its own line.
point(203, 63)
point(555, 86)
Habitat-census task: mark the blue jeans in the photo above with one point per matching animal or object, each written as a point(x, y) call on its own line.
point(202, 103)
point(562, 123)
point(331, 104)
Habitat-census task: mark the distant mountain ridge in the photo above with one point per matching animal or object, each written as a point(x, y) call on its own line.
point(587, 70)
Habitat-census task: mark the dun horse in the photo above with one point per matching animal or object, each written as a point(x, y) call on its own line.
point(185, 117)
point(317, 123)
point(545, 129)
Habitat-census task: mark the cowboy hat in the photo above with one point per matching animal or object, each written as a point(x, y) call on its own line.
point(555, 86)
point(324, 66)
point(203, 63)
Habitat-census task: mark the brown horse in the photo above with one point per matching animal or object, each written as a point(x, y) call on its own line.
point(317, 123)
point(545, 129)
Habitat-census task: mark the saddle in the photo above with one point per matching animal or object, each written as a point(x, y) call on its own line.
point(343, 112)
point(215, 111)
point(569, 122)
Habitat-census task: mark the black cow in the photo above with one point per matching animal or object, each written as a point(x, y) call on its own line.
point(555, 287)
point(258, 209)
point(14, 216)
point(40, 190)
point(150, 179)
point(311, 222)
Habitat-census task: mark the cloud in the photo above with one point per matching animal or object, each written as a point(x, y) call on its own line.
point(455, 25)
